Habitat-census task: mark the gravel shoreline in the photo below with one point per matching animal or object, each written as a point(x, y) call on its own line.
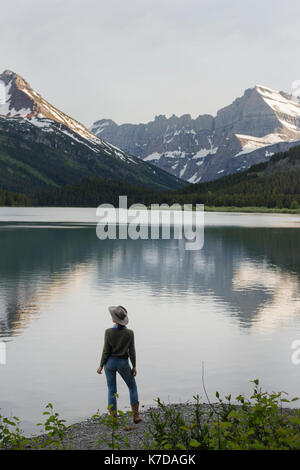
point(86, 434)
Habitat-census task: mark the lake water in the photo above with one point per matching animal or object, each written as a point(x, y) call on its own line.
point(234, 305)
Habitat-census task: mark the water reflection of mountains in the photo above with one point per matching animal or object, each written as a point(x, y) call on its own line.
point(242, 267)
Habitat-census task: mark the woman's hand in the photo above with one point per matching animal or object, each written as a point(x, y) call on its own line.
point(133, 371)
point(99, 370)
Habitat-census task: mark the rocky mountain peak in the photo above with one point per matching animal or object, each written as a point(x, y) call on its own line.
point(56, 149)
point(19, 100)
point(247, 131)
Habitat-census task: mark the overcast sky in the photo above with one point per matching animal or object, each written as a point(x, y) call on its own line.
point(130, 60)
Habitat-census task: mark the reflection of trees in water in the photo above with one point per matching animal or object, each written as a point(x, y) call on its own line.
point(277, 246)
point(274, 255)
point(213, 271)
point(17, 315)
point(37, 262)
point(34, 264)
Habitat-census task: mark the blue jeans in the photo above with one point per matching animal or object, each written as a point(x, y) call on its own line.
point(111, 367)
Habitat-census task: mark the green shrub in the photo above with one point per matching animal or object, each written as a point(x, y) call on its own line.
point(11, 436)
point(55, 431)
point(294, 205)
point(258, 423)
point(113, 438)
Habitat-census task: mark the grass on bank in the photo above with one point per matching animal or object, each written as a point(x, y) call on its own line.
point(260, 423)
point(253, 209)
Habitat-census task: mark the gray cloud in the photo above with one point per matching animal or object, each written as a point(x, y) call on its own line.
point(130, 60)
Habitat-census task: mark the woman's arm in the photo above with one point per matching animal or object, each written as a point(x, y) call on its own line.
point(132, 353)
point(105, 352)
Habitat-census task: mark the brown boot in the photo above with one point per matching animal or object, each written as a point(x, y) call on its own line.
point(136, 416)
point(113, 413)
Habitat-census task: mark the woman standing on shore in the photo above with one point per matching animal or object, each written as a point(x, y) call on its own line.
point(118, 346)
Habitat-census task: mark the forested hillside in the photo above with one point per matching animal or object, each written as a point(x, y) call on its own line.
point(272, 184)
point(92, 191)
point(275, 184)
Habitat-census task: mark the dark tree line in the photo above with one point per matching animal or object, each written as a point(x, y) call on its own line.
point(92, 191)
point(274, 184)
point(281, 189)
point(14, 199)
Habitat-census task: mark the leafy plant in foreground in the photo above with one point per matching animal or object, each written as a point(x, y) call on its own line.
point(114, 438)
point(249, 424)
point(55, 431)
point(258, 423)
point(11, 435)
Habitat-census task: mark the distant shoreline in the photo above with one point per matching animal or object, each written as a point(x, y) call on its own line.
point(88, 216)
point(252, 210)
point(246, 209)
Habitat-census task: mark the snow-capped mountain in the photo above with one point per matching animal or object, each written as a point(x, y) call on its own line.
point(25, 116)
point(250, 130)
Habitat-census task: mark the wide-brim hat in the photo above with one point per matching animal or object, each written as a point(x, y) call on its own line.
point(119, 314)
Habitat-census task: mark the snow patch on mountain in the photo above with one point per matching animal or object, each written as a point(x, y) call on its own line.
point(250, 143)
point(183, 171)
point(5, 106)
point(202, 153)
point(194, 179)
point(152, 156)
point(278, 102)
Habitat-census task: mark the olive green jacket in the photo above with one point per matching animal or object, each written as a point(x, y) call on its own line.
point(118, 343)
